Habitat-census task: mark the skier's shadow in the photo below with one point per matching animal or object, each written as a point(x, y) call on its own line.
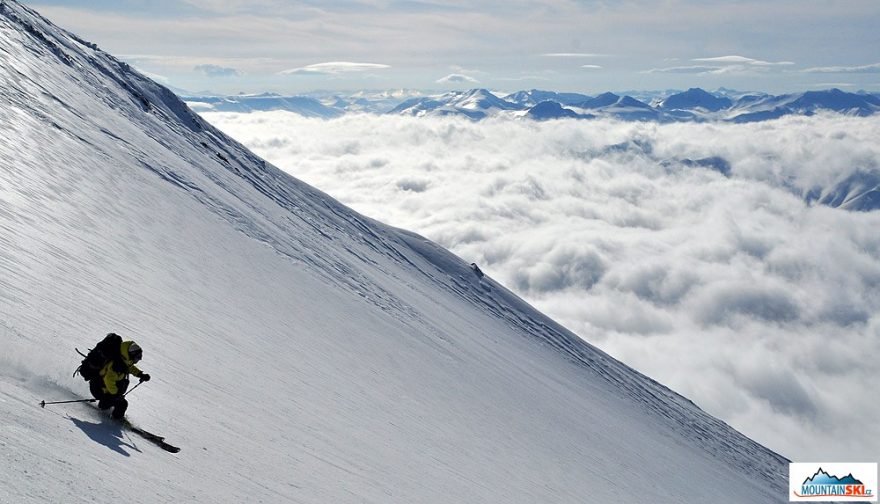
point(108, 434)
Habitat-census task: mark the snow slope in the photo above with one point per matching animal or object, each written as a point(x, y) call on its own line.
point(300, 352)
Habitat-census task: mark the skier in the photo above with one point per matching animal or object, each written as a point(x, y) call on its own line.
point(107, 368)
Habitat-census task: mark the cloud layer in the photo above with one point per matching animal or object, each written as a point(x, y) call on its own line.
point(721, 283)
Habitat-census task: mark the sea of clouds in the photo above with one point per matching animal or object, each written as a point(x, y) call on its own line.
point(685, 250)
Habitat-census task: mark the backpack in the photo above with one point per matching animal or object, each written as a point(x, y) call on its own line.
point(106, 350)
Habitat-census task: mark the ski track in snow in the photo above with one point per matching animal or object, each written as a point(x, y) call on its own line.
point(300, 352)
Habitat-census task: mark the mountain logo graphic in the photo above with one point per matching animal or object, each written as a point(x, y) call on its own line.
point(826, 484)
point(823, 478)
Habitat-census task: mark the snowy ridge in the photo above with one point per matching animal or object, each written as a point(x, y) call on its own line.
point(696, 99)
point(347, 350)
point(475, 104)
point(859, 191)
point(536, 96)
point(761, 107)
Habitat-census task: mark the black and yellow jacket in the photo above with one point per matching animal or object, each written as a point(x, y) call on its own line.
point(117, 370)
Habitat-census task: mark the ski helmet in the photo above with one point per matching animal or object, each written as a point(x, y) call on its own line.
point(135, 353)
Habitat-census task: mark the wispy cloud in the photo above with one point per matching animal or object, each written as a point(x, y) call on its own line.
point(524, 78)
point(240, 6)
point(572, 55)
point(465, 70)
point(456, 78)
point(209, 70)
point(720, 65)
point(826, 85)
point(591, 67)
point(741, 60)
point(197, 63)
point(862, 69)
point(334, 68)
point(693, 69)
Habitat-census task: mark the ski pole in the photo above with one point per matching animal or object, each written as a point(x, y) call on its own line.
point(44, 403)
point(132, 389)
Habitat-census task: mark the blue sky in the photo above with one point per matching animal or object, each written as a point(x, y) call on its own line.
point(569, 45)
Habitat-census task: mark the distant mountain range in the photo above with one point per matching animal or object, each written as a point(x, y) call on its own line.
point(302, 105)
point(695, 104)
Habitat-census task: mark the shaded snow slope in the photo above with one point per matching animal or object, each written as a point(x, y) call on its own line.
point(300, 352)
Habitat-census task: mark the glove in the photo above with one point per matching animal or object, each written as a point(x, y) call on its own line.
point(144, 377)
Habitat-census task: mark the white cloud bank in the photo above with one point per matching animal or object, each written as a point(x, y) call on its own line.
point(730, 289)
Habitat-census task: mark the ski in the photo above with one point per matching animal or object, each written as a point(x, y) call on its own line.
point(125, 424)
point(149, 436)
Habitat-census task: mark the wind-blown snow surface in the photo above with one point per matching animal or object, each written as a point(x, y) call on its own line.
point(688, 250)
point(299, 351)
